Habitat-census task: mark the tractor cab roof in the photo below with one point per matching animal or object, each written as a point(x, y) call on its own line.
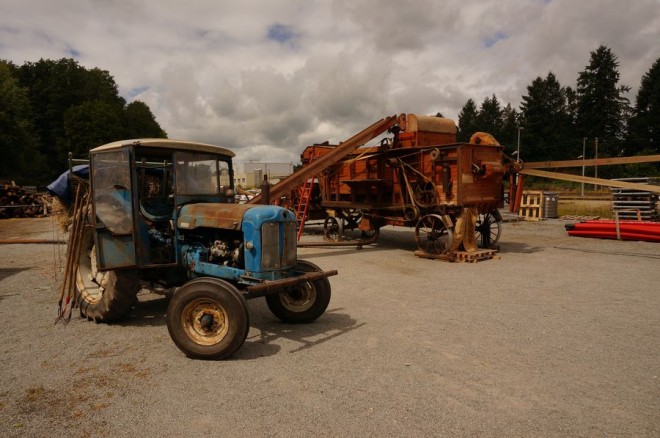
point(163, 143)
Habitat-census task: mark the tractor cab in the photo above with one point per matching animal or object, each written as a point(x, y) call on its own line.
point(138, 189)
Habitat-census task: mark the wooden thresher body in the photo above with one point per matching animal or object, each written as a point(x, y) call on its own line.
point(421, 170)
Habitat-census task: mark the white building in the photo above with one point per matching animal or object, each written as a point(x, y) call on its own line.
point(251, 175)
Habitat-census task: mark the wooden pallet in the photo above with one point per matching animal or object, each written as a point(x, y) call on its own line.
point(531, 205)
point(461, 256)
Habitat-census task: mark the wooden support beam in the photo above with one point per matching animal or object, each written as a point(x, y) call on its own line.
point(593, 162)
point(590, 180)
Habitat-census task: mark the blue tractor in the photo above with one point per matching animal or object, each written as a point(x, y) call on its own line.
point(163, 214)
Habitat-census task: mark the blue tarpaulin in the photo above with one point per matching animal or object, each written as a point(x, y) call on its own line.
point(61, 187)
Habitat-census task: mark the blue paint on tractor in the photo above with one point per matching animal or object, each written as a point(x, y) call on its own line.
point(194, 258)
point(252, 227)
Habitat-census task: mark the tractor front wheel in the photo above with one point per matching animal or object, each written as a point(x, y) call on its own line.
point(207, 319)
point(304, 302)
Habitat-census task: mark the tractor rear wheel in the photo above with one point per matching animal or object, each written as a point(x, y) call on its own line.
point(103, 296)
point(304, 302)
point(207, 319)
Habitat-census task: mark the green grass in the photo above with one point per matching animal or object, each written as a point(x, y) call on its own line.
point(599, 208)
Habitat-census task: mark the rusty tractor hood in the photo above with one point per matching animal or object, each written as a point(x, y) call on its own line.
point(213, 215)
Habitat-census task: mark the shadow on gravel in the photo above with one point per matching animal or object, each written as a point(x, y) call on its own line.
point(386, 242)
point(516, 247)
point(8, 272)
point(329, 326)
point(147, 312)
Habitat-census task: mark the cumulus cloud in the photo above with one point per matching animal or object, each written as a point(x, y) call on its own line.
point(268, 78)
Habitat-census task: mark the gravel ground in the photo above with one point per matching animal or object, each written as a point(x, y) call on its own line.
point(559, 336)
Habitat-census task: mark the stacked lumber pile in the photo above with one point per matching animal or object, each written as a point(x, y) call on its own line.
point(16, 201)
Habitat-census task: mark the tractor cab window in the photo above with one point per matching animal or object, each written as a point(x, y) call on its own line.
point(154, 173)
point(196, 174)
point(202, 174)
point(112, 191)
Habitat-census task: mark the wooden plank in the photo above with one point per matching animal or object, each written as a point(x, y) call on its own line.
point(592, 162)
point(590, 180)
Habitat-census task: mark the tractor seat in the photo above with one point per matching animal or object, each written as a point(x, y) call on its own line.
point(156, 209)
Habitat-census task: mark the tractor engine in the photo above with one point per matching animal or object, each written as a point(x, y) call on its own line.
point(226, 253)
point(219, 247)
point(233, 241)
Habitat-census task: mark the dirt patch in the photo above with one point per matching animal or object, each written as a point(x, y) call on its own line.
point(37, 228)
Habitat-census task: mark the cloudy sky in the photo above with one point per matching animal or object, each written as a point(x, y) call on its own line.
point(265, 78)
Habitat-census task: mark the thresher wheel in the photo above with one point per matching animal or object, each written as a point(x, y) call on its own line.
point(432, 235)
point(352, 218)
point(488, 230)
point(333, 229)
point(425, 195)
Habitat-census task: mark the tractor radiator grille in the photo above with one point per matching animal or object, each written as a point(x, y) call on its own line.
point(278, 245)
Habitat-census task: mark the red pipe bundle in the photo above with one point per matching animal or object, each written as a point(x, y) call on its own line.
point(606, 229)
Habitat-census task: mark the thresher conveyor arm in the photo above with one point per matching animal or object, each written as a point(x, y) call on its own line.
point(294, 180)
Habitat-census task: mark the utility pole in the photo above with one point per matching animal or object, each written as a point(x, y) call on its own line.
point(584, 144)
point(596, 164)
point(520, 128)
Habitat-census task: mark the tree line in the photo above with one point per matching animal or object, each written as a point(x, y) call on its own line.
point(49, 108)
point(555, 122)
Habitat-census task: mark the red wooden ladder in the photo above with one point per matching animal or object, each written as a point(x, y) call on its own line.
point(303, 204)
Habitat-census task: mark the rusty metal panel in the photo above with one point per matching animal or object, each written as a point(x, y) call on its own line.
point(212, 215)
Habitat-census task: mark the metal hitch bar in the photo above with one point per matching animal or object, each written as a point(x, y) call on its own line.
point(275, 286)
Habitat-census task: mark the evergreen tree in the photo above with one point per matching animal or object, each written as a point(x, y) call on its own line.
point(601, 103)
point(546, 121)
point(467, 121)
point(644, 129)
point(490, 118)
point(571, 106)
point(510, 123)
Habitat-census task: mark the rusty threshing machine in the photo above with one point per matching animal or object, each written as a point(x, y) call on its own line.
point(418, 176)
